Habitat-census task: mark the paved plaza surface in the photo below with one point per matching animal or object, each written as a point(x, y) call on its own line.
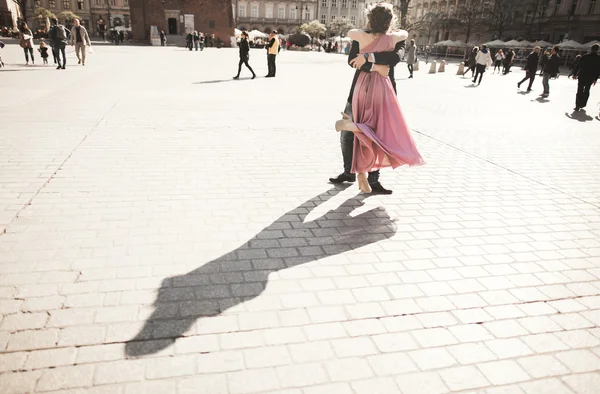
point(167, 230)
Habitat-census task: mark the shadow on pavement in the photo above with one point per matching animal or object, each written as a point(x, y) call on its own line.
point(242, 274)
point(580, 116)
point(224, 80)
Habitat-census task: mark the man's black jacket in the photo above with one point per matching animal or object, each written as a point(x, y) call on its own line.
point(588, 68)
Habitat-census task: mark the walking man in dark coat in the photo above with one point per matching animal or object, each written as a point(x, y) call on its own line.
point(587, 73)
point(531, 67)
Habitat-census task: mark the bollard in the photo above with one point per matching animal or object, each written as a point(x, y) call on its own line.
point(442, 66)
point(432, 68)
point(416, 66)
point(461, 69)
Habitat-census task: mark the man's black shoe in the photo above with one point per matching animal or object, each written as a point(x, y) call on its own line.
point(343, 178)
point(379, 189)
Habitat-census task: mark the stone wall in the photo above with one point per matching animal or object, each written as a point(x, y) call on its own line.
point(210, 17)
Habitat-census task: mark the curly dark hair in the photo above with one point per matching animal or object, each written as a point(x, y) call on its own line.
point(380, 18)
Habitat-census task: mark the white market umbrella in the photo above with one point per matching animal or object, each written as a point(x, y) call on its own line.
point(496, 44)
point(543, 44)
point(447, 43)
point(237, 32)
point(525, 44)
point(588, 45)
point(569, 44)
point(512, 43)
point(257, 34)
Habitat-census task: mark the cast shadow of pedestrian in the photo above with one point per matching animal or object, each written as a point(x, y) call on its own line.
point(223, 81)
point(541, 100)
point(243, 274)
point(580, 116)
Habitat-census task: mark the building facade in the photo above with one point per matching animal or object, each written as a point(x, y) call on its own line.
point(103, 11)
point(9, 13)
point(283, 16)
point(549, 20)
point(177, 17)
point(351, 10)
point(81, 8)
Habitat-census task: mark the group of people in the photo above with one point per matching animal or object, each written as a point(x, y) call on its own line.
point(59, 37)
point(272, 47)
point(195, 40)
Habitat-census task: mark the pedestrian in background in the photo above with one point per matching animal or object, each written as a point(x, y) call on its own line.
point(81, 39)
point(196, 40)
point(244, 56)
point(499, 59)
point(543, 59)
point(508, 60)
point(587, 73)
point(574, 65)
point(483, 60)
point(58, 38)
point(272, 50)
point(43, 49)
point(410, 60)
point(163, 38)
point(202, 41)
point(471, 62)
point(26, 42)
point(531, 68)
point(551, 70)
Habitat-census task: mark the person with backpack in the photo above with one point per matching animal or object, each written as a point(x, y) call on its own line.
point(58, 39)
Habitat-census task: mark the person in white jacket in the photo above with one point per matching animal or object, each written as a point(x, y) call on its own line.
point(483, 60)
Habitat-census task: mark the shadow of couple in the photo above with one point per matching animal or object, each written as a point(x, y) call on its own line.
point(242, 274)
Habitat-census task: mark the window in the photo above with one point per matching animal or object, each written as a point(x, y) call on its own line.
point(592, 7)
point(98, 2)
point(334, 3)
point(307, 14)
point(67, 4)
point(80, 4)
point(293, 13)
point(254, 11)
point(353, 20)
point(344, 3)
point(354, 4)
point(38, 3)
point(528, 17)
point(269, 11)
point(126, 3)
point(332, 18)
point(573, 7)
point(324, 3)
point(113, 2)
point(281, 12)
point(323, 19)
point(51, 3)
point(242, 11)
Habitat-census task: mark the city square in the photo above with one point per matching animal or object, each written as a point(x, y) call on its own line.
point(166, 229)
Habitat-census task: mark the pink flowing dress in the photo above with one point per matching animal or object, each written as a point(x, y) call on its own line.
point(385, 140)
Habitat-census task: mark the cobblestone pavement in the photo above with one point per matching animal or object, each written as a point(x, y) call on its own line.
point(168, 230)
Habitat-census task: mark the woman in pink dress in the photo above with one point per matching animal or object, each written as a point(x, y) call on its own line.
point(381, 136)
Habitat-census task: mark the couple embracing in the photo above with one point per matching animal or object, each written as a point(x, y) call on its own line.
point(374, 134)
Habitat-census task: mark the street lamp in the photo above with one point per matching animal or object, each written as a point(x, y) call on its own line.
point(302, 9)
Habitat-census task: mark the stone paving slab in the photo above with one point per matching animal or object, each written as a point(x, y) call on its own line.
point(169, 230)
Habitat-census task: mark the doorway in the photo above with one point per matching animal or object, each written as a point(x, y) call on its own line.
point(172, 23)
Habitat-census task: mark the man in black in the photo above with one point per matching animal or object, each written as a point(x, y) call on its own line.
point(531, 67)
point(364, 64)
point(587, 73)
point(551, 70)
point(508, 60)
point(58, 38)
